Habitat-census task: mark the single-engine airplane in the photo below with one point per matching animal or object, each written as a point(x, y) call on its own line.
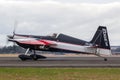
point(99, 45)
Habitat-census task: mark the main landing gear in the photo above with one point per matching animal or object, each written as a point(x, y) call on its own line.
point(31, 57)
point(34, 56)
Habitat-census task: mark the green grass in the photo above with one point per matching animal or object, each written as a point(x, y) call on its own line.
point(59, 73)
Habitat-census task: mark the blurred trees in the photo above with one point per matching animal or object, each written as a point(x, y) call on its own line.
point(12, 49)
point(118, 49)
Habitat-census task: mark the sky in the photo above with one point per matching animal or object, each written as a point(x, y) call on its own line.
point(77, 18)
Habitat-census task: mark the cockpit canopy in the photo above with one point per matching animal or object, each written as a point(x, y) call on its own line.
point(54, 35)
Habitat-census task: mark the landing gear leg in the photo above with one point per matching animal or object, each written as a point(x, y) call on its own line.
point(34, 56)
point(27, 51)
point(24, 57)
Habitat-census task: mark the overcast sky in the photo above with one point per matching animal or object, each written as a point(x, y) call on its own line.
point(78, 18)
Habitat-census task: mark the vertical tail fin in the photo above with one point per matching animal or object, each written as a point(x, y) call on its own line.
point(100, 38)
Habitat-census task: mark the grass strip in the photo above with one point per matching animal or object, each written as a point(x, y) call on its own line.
point(59, 73)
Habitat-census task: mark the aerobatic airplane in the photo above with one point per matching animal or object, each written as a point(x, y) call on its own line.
point(99, 45)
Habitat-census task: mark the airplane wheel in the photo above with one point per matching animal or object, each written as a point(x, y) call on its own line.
point(105, 59)
point(34, 57)
point(24, 57)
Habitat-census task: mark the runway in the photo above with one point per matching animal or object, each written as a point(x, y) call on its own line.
point(61, 62)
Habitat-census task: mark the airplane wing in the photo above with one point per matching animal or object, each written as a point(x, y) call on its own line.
point(32, 41)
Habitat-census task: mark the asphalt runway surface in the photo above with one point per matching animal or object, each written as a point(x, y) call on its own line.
point(62, 62)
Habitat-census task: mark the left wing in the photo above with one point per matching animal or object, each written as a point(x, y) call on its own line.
point(32, 41)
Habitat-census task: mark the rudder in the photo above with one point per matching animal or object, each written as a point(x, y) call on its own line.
point(100, 38)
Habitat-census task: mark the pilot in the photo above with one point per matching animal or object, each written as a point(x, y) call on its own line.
point(54, 35)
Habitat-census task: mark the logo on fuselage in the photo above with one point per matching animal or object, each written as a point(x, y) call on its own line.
point(105, 36)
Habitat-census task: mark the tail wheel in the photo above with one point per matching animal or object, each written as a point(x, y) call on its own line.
point(105, 59)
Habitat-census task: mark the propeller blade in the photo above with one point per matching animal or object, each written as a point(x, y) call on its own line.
point(14, 30)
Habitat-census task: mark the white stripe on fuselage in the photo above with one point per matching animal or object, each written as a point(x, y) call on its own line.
point(71, 47)
point(81, 48)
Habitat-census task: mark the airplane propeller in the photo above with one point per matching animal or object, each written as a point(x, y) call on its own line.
point(14, 30)
point(9, 37)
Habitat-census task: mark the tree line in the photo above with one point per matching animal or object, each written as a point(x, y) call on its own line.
point(12, 49)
